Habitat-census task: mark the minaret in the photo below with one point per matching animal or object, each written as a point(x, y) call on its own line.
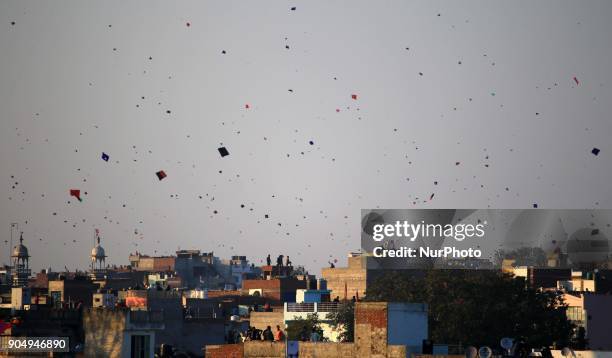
point(98, 264)
point(21, 266)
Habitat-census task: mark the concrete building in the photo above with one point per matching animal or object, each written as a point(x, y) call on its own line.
point(346, 282)
point(295, 311)
point(141, 262)
point(541, 277)
point(594, 313)
point(71, 291)
point(121, 333)
point(158, 319)
point(261, 320)
point(373, 337)
point(46, 321)
point(237, 269)
point(197, 269)
point(577, 283)
point(280, 289)
point(104, 299)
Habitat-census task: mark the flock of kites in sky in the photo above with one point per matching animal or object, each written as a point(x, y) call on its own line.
point(223, 151)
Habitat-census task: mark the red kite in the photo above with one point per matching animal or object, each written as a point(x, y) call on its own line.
point(76, 193)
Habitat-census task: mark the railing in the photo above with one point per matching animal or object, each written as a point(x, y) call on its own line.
point(300, 307)
point(312, 307)
point(328, 306)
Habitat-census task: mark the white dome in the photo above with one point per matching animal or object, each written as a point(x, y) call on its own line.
point(98, 252)
point(20, 250)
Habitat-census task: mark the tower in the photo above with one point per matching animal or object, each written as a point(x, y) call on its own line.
point(98, 261)
point(21, 266)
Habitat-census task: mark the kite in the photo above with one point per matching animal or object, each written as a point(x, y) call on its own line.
point(223, 151)
point(76, 193)
point(247, 106)
point(595, 151)
point(354, 96)
point(160, 174)
point(105, 157)
point(576, 80)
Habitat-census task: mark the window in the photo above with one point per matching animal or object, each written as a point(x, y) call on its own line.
point(140, 346)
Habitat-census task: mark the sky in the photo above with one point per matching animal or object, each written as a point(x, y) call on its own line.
point(484, 104)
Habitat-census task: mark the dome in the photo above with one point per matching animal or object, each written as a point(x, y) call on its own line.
point(20, 250)
point(98, 252)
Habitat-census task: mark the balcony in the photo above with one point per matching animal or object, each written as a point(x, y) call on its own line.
point(311, 307)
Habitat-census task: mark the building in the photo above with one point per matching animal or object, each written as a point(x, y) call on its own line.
point(104, 299)
point(197, 269)
point(603, 281)
point(593, 312)
point(279, 288)
point(293, 311)
point(154, 318)
point(98, 261)
point(45, 321)
point(346, 282)
point(578, 283)
point(121, 333)
point(21, 265)
point(238, 269)
point(71, 291)
point(541, 277)
point(141, 262)
point(379, 332)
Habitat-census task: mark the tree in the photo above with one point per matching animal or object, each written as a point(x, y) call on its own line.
point(480, 307)
point(344, 320)
point(297, 327)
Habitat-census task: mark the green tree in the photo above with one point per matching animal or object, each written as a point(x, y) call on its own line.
point(344, 320)
point(297, 327)
point(480, 307)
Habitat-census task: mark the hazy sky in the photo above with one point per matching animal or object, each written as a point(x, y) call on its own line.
point(438, 83)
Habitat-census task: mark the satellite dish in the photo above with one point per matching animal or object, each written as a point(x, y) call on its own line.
point(485, 352)
point(506, 342)
point(471, 352)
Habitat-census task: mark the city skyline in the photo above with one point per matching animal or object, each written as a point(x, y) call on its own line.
point(324, 110)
